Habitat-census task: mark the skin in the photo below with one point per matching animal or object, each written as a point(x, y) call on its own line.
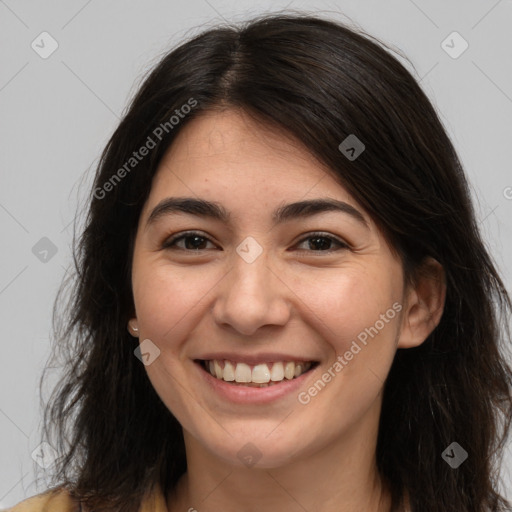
point(294, 298)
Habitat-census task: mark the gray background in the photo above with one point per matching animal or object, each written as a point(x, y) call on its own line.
point(57, 114)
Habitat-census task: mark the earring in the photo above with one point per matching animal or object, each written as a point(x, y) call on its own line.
point(134, 329)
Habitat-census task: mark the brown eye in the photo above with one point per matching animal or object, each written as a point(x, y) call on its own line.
point(193, 241)
point(321, 242)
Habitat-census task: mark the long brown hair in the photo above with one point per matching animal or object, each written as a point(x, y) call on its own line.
point(320, 81)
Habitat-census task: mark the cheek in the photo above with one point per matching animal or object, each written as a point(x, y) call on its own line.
point(167, 299)
point(168, 303)
point(360, 324)
point(369, 318)
point(348, 302)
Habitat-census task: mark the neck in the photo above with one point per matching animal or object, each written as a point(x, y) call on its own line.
point(341, 477)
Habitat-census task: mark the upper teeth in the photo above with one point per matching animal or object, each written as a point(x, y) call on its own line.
point(260, 373)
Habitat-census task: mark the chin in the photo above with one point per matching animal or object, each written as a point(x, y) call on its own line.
point(256, 450)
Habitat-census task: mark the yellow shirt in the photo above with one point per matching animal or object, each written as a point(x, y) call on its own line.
point(61, 501)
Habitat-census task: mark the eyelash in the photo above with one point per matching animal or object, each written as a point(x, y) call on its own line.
point(168, 243)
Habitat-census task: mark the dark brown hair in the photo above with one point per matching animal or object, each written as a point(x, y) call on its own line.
point(320, 81)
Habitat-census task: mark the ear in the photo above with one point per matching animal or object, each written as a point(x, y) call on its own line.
point(424, 304)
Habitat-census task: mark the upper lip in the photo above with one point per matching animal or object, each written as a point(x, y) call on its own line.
point(267, 357)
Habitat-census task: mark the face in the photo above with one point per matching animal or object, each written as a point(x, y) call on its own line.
point(316, 296)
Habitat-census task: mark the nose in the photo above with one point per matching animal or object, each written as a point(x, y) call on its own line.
point(250, 296)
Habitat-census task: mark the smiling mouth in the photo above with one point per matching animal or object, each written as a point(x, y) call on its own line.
point(259, 375)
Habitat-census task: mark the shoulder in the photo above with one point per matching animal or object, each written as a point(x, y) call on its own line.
point(53, 500)
point(58, 499)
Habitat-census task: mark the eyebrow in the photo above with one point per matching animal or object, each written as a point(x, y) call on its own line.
point(213, 210)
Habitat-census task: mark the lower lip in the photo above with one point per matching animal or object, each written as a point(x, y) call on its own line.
point(252, 395)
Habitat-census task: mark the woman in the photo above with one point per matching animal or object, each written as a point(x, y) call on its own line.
point(283, 300)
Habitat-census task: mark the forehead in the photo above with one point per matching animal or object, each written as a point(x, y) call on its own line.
point(222, 151)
